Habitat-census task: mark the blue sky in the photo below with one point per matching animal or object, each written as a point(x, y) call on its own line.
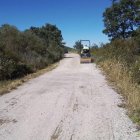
point(77, 19)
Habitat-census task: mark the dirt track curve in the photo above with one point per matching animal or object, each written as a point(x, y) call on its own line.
point(72, 102)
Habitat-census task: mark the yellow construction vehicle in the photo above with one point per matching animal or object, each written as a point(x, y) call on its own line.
point(85, 56)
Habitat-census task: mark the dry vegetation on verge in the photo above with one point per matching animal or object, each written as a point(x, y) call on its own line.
point(120, 60)
point(120, 77)
point(8, 85)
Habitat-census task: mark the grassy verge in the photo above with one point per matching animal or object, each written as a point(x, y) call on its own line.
point(7, 86)
point(119, 75)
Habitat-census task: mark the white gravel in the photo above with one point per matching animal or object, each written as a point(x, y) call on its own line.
point(72, 102)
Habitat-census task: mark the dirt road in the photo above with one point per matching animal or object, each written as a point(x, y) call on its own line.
point(72, 102)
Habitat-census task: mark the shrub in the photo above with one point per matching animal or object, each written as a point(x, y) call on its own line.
point(25, 52)
point(120, 59)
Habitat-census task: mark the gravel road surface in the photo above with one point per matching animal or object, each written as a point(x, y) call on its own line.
point(71, 102)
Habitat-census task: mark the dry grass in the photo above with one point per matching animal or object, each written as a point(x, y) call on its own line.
point(7, 86)
point(118, 74)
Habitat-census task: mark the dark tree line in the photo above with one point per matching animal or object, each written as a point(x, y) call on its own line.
point(28, 51)
point(122, 19)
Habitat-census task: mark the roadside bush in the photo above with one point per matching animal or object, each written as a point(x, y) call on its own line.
point(25, 52)
point(120, 60)
point(124, 51)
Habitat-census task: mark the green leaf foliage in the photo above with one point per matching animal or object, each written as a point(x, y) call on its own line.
point(25, 52)
point(122, 19)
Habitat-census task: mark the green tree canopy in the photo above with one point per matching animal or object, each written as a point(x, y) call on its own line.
point(122, 19)
point(50, 34)
point(78, 45)
point(29, 50)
